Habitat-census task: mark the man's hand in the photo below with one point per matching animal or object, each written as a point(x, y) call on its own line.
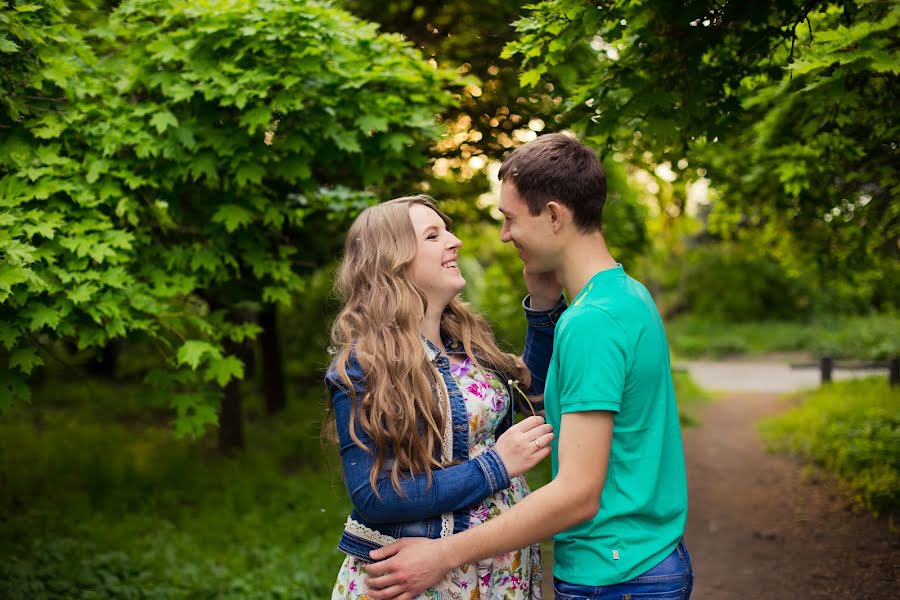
point(543, 288)
point(407, 568)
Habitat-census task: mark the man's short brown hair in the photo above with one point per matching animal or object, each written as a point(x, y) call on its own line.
point(557, 167)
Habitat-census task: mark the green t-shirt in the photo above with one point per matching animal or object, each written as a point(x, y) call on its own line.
point(610, 353)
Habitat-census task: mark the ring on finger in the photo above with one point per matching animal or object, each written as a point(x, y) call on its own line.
point(536, 444)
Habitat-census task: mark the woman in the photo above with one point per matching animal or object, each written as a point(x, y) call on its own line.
point(422, 401)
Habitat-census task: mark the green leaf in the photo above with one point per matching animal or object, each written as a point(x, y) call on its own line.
point(223, 370)
point(204, 259)
point(256, 117)
point(8, 335)
point(11, 275)
point(50, 127)
point(115, 278)
point(240, 332)
point(82, 293)
point(346, 141)
point(274, 294)
point(7, 45)
point(90, 337)
point(194, 412)
point(186, 137)
point(193, 351)
point(97, 167)
point(41, 316)
point(46, 229)
point(232, 216)
point(23, 254)
point(249, 172)
point(25, 360)
point(163, 120)
point(367, 123)
point(204, 164)
point(530, 78)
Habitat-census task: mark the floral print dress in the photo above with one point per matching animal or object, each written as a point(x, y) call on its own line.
point(513, 576)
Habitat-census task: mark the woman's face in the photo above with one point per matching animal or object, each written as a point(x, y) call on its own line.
point(434, 267)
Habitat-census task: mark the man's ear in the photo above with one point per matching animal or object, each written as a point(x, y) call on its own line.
point(559, 214)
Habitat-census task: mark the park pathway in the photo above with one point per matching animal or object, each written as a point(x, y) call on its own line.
point(758, 529)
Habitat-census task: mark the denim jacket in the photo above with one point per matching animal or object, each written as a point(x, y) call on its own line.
point(442, 508)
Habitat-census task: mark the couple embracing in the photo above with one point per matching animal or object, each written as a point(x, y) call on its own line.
point(422, 402)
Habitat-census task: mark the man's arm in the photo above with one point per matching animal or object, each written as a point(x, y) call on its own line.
point(413, 565)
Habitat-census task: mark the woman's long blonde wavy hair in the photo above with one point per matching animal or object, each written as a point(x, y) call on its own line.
point(379, 323)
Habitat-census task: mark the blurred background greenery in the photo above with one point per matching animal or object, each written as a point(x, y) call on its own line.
point(176, 178)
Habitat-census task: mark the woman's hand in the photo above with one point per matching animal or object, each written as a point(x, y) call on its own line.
point(524, 445)
point(543, 289)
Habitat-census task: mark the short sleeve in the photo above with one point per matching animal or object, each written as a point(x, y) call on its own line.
point(593, 360)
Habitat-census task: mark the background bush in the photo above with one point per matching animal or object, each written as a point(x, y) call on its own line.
point(852, 429)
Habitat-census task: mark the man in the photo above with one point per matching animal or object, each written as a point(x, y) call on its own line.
point(617, 504)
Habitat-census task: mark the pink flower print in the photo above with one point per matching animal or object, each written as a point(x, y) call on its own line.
point(476, 390)
point(352, 586)
point(485, 579)
point(497, 402)
point(480, 513)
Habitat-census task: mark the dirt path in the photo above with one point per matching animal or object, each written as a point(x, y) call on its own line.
point(758, 529)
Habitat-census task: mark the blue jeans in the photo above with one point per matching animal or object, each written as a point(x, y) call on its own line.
point(672, 579)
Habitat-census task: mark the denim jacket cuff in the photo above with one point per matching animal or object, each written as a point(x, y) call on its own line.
point(544, 318)
point(494, 469)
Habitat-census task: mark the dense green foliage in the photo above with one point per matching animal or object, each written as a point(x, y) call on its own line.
point(853, 430)
point(788, 107)
point(205, 161)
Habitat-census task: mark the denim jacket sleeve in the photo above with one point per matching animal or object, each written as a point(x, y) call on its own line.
point(453, 488)
point(539, 341)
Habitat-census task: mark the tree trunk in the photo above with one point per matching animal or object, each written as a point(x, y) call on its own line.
point(273, 370)
point(231, 426)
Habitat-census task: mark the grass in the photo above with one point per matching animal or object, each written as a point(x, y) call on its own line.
point(114, 507)
point(872, 337)
point(98, 500)
point(852, 429)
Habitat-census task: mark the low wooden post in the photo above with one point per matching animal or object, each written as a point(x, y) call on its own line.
point(894, 367)
point(826, 365)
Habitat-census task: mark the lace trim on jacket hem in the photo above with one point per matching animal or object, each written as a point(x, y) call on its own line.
point(356, 528)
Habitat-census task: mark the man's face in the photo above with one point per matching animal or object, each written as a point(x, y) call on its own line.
point(532, 235)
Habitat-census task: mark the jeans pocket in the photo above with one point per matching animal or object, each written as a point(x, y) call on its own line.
point(569, 591)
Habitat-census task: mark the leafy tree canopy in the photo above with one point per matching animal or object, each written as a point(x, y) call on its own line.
point(181, 159)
